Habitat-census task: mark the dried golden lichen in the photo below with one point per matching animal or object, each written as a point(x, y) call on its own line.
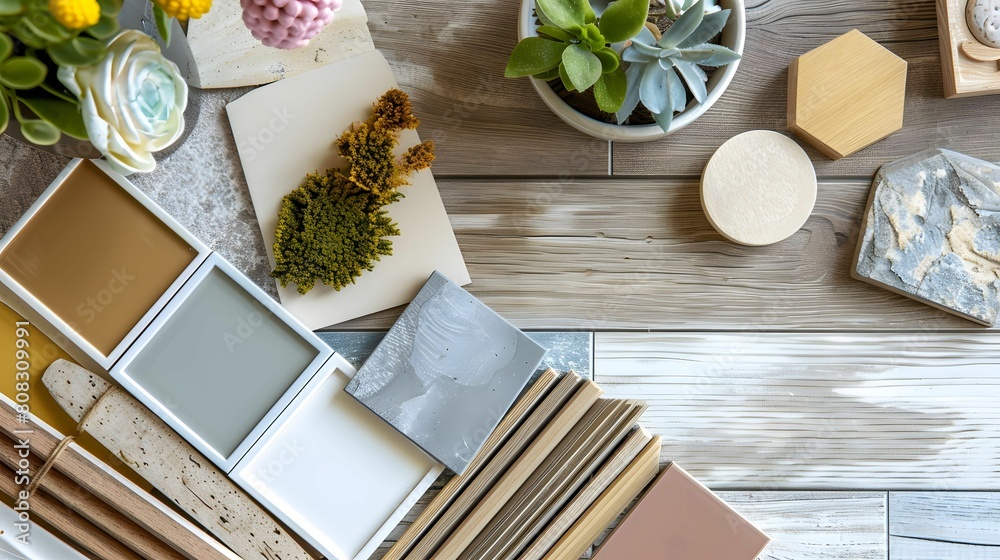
point(334, 226)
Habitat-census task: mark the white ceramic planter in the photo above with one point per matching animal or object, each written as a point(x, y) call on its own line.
point(733, 36)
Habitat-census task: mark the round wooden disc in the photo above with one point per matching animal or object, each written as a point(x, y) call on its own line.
point(758, 188)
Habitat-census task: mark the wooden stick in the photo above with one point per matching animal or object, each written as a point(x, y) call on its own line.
point(98, 479)
point(169, 463)
point(60, 487)
point(83, 532)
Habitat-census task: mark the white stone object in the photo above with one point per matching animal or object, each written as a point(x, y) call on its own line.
point(759, 188)
point(984, 21)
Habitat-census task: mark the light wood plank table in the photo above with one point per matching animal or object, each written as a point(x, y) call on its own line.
point(848, 422)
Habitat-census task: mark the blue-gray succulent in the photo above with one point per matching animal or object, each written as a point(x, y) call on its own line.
point(658, 69)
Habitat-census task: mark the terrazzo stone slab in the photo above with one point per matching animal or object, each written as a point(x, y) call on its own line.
point(932, 233)
point(447, 372)
point(567, 351)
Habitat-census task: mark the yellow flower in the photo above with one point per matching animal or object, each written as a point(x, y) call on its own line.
point(75, 14)
point(184, 9)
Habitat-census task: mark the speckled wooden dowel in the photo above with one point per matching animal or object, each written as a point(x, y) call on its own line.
point(159, 455)
point(98, 479)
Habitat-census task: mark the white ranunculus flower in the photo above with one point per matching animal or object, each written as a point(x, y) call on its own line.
point(133, 101)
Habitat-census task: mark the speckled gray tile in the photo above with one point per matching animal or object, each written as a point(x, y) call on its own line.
point(567, 351)
point(447, 372)
point(199, 182)
point(932, 233)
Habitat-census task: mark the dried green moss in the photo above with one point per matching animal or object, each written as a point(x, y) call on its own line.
point(334, 226)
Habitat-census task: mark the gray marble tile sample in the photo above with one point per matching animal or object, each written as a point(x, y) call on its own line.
point(447, 372)
point(932, 233)
point(567, 350)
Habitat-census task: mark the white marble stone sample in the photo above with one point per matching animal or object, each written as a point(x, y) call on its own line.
point(932, 233)
point(447, 372)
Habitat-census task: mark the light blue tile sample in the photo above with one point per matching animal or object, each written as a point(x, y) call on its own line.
point(933, 233)
point(447, 372)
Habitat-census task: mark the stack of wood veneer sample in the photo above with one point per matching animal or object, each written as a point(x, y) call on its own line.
point(558, 470)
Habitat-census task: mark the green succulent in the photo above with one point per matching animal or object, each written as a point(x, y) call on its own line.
point(657, 68)
point(32, 46)
point(574, 46)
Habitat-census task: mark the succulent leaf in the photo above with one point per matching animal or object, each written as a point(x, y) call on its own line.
point(709, 54)
point(22, 72)
point(684, 26)
point(711, 25)
point(40, 132)
point(695, 83)
point(10, 7)
point(609, 61)
point(678, 97)
point(609, 90)
point(6, 46)
point(633, 76)
point(623, 19)
point(534, 55)
point(653, 89)
point(80, 51)
point(666, 63)
point(64, 115)
point(564, 13)
point(548, 75)
point(556, 33)
point(564, 78)
point(664, 119)
point(4, 113)
point(635, 55)
point(583, 68)
point(105, 28)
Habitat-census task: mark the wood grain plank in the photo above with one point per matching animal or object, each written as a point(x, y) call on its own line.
point(450, 57)
point(924, 525)
point(802, 525)
point(902, 548)
point(639, 254)
point(817, 411)
point(780, 30)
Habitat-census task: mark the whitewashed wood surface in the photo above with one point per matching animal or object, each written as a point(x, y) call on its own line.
point(934, 525)
point(880, 411)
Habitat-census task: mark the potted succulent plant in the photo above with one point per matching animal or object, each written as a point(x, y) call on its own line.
point(629, 70)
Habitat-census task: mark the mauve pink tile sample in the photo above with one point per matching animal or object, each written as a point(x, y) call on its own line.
point(679, 519)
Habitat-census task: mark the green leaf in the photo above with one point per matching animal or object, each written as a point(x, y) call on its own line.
point(64, 115)
point(81, 51)
point(684, 26)
point(712, 25)
point(10, 7)
point(589, 15)
point(583, 68)
point(534, 55)
point(45, 26)
point(565, 13)
point(40, 132)
point(548, 76)
point(162, 23)
point(6, 46)
point(593, 38)
point(564, 78)
point(556, 33)
point(22, 72)
point(105, 28)
point(610, 90)
point(609, 60)
point(623, 19)
point(110, 7)
point(26, 35)
point(4, 113)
